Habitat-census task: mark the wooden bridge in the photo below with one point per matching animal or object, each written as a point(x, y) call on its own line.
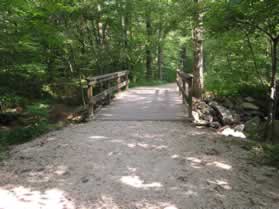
point(162, 103)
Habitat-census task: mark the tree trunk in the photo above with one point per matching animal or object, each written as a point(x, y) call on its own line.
point(198, 65)
point(148, 48)
point(160, 62)
point(160, 54)
point(183, 58)
point(273, 102)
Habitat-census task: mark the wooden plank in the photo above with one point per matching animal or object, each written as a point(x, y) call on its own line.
point(97, 98)
point(106, 77)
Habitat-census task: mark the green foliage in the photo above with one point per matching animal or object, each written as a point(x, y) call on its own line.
point(38, 109)
point(24, 134)
point(271, 153)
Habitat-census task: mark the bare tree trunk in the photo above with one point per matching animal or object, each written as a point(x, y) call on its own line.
point(148, 48)
point(198, 66)
point(160, 52)
point(160, 62)
point(273, 102)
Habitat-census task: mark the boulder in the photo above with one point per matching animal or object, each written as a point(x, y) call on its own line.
point(228, 131)
point(225, 116)
point(249, 106)
point(252, 124)
point(240, 127)
point(197, 119)
point(215, 125)
point(202, 113)
point(250, 99)
point(252, 127)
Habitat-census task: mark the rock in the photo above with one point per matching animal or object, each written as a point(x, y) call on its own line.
point(252, 124)
point(84, 179)
point(228, 103)
point(212, 152)
point(215, 125)
point(240, 127)
point(249, 106)
point(197, 120)
point(252, 127)
point(249, 99)
point(225, 116)
point(228, 131)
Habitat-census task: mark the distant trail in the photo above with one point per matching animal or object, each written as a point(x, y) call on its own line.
point(148, 159)
point(145, 103)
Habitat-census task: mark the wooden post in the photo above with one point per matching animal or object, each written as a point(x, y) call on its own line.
point(190, 88)
point(90, 102)
point(127, 80)
point(184, 89)
point(109, 94)
point(118, 84)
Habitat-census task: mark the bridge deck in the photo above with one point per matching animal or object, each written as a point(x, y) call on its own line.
point(145, 103)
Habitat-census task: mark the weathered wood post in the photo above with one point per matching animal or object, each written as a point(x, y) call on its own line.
point(184, 89)
point(178, 82)
point(127, 80)
point(109, 92)
point(118, 83)
point(90, 102)
point(190, 89)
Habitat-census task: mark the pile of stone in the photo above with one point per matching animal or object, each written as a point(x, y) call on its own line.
point(230, 116)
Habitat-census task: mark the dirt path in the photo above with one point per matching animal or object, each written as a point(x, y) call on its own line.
point(135, 165)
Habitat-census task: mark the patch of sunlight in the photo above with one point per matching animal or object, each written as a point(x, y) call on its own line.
point(136, 182)
point(107, 115)
point(234, 133)
point(175, 156)
point(61, 170)
point(160, 147)
point(51, 139)
point(21, 197)
point(147, 205)
point(224, 184)
point(191, 193)
point(143, 145)
point(221, 165)
point(132, 145)
point(132, 169)
point(194, 160)
point(98, 137)
point(106, 202)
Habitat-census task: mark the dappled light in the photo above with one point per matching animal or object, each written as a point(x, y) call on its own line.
point(135, 181)
point(222, 183)
point(20, 197)
point(199, 163)
point(221, 165)
point(98, 137)
point(145, 104)
point(139, 104)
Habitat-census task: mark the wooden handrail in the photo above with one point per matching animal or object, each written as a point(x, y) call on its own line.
point(108, 84)
point(185, 84)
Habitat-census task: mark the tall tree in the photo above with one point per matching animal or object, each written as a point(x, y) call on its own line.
point(198, 65)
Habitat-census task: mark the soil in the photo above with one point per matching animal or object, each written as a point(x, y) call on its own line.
point(135, 164)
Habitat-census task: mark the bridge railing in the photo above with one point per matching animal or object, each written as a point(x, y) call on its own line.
point(100, 89)
point(185, 85)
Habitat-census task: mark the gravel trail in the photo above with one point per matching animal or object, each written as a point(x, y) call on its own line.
point(135, 165)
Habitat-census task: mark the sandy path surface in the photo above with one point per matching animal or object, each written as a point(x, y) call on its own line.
point(135, 165)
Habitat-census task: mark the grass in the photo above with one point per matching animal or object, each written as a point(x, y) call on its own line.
point(33, 124)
